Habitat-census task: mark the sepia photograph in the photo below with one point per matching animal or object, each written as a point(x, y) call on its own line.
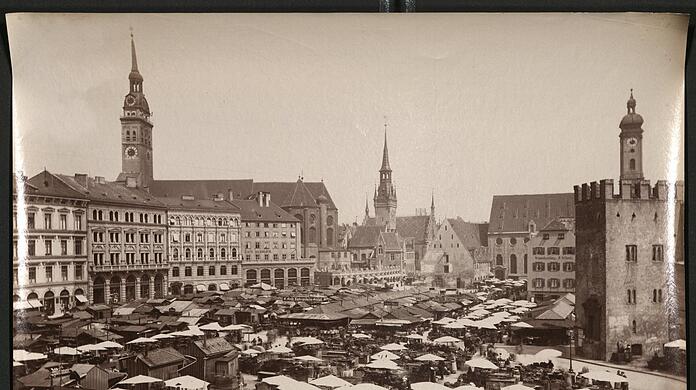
point(348, 201)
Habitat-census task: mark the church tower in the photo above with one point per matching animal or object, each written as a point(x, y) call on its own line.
point(631, 141)
point(136, 132)
point(385, 196)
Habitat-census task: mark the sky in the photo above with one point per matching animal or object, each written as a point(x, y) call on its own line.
point(475, 105)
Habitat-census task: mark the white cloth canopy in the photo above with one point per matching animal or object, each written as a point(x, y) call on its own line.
point(517, 386)
point(468, 387)
point(428, 386)
point(446, 340)
point(330, 381)
point(162, 336)
point(279, 349)
point(21, 355)
point(308, 358)
point(681, 344)
point(415, 337)
point(521, 324)
point(307, 341)
point(278, 380)
point(214, 326)
point(384, 364)
point(187, 382)
point(363, 386)
point(263, 286)
point(142, 340)
point(139, 379)
point(385, 355)
point(109, 344)
point(392, 347)
point(67, 351)
point(481, 363)
point(361, 336)
point(548, 354)
point(429, 357)
point(91, 348)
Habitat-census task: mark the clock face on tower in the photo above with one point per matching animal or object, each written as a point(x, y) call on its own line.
point(131, 152)
point(632, 141)
point(130, 100)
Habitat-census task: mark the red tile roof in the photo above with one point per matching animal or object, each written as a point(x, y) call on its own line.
point(251, 211)
point(49, 184)
point(512, 213)
point(472, 235)
point(202, 189)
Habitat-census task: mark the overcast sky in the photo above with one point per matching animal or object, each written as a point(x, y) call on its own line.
point(476, 105)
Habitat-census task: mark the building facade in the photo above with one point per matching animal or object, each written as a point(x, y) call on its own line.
point(629, 256)
point(127, 245)
point(204, 245)
point(50, 256)
point(552, 261)
point(513, 221)
point(271, 246)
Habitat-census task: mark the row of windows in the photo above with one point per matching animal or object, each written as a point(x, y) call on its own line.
point(512, 241)
point(269, 224)
point(129, 216)
point(267, 257)
point(267, 245)
point(632, 299)
point(200, 271)
point(115, 258)
point(553, 283)
point(200, 253)
point(270, 234)
point(513, 262)
point(632, 253)
point(553, 266)
point(48, 247)
point(115, 237)
point(48, 221)
point(48, 273)
point(265, 274)
point(222, 237)
point(200, 221)
point(553, 250)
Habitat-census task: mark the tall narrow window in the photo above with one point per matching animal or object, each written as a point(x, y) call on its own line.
point(631, 253)
point(632, 166)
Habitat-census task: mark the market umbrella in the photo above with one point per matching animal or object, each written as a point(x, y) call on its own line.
point(236, 327)
point(517, 386)
point(91, 348)
point(385, 355)
point(481, 363)
point(363, 386)
point(142, 340)
point(330, 381)
point(297, 386)
point(429, 357)
point(307, 341)
point(279, 380)
point(443, 321)
point(428, 386)
point(392, 347)
point(501, 314)
point(16, 364)
point(521, 324)
point(139, 379)
point(21, 355)
point(213, 326)
point(681, 344)
point(67, 351)
point(279, 349)
point(109, 344)
point(361, 336)
point(251, 351)
point(548, 354)
point(468, 387)
point(195, 331)
point(308, 358)
point(187, 382)
point(526, 359)
point(384, 364)
point(415, 337)
point(446, 340)
point(604, 376)
point(502, 353)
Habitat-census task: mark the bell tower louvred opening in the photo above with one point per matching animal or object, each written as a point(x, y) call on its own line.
point(136, 130)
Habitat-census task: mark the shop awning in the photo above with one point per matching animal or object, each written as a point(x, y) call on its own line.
point(81, 298)
point(201, 288)
point(224, 287)
point(21, 305)
point(35, 303)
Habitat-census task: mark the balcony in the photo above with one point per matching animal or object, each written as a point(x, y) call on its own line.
point(128, 267)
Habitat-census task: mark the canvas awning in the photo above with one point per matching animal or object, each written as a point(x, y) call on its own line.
point(201, 288)
point(224, 287)
point(21, 305)
point(81, 298)
point(35, 303)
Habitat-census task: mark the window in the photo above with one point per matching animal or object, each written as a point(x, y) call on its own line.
point(47, 221)
point(144, 258)
point(157, 238)
point(234, 253)
point(257, 245)
point(64, 272)
point(633, 324)
point(30, 221)
point(32, 274)
point(538, 250)
point(130, 258)
point(78, 222)
point(175, 272)
point(233, 270)
point(211, 270)
point(538, 267)
point(659, 295)
point(78, 271)
point(554, 267)
point(569, 283)
point(223, 237)
point(199, 271)
point(63, 247)
point(446, 269)
point(199, 253)
point(63, 222)
point(499, 259)
point(212, 253)
point(631, 293)
point(144, 238)
point(568, 266)
point(525, 263)
point(49, 247)
point(632, 166)
point(545, 236)
point(49, 273)
point(31, 248)
point(561, 236)
point(657, 253)
point(223, 270)
point(223, 253)
point(513, 240)
point(265, 257)
point(568, 250)
point(631, 253)
point(78, 246)
point(187, 271)
point(187, 237)
point(554, 250)
point(498, 241)
point(554, 283)
point(114, 237)
point(513, 264)
point(538, 283)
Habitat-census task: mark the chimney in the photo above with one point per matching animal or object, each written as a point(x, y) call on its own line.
point(130, 181)
point(81, 179)
point(267, 199)
point(230, 194)
point(99, 179)
point(259, 198)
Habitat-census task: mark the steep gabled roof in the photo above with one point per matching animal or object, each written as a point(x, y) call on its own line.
point(199, 204)
point(391, 241)
point(472, 235)
point(202, 189)
point(282, 192)
point(161, 357)
point(49, 184)
point(365, 237)
point(251, 211)
point(217, 345)
point(512, 213)
point(112, 192)
point(413, 227)
point(300, 197)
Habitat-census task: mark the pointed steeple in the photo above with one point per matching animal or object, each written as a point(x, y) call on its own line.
point(367, 207)
point(432, 203)
point(135, 73)
point(385, 153)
